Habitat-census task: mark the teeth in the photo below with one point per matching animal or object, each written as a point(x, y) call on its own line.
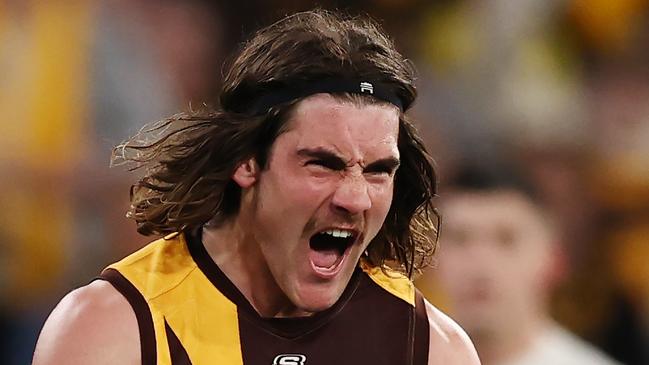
point(338, 233)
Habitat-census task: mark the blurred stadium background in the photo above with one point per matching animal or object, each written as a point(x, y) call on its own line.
point(562, 86)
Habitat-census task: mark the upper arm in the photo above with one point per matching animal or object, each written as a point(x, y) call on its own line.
point(91, 325)
point(449, 344)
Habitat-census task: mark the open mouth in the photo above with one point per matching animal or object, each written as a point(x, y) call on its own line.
point(328, 249)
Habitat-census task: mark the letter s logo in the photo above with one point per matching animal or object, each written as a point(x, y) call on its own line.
point(289, 359)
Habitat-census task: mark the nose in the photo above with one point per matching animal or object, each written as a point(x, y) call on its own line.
point(352, 195)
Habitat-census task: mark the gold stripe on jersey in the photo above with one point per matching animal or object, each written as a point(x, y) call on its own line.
point(393, 282)
point(176, 290)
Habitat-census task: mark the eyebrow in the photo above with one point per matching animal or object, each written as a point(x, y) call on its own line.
point(333, 160)
point(328, 157)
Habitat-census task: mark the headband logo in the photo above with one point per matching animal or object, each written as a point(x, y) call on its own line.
point(367, 87)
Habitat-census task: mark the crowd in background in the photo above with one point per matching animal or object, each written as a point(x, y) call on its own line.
point(558, 88)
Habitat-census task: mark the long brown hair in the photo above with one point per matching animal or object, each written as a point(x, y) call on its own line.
point(188, 159)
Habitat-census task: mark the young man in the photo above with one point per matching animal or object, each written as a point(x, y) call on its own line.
point(294, 215)
point(499, 263)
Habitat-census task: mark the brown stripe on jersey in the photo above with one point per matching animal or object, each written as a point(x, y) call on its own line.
point(213, 272)
point(411, 337)
point(142, 313)
point(177, 351)
point(422, 331)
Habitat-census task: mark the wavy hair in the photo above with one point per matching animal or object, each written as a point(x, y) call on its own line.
point(188, 159)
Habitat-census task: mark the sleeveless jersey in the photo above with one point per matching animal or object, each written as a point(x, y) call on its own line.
point(189, 312)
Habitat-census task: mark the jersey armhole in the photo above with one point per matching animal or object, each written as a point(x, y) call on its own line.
point(141, 309)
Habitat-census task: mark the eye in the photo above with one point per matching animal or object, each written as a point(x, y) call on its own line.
point(456, 237)
point(380, 170)
point(329, 165)
point(507, 238)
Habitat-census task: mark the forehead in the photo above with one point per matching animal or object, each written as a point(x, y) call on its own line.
point(346, 127)
point(486, 210)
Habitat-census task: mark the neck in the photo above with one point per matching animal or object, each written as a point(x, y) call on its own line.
point(237, 254)
point(504, 344)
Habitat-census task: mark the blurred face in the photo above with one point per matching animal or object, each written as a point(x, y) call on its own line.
point(494, 259)
point(323, 196)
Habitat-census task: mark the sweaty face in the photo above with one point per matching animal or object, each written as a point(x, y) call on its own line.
point(494, 259)
point(324, 195)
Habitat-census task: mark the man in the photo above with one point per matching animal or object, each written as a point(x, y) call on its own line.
point(294, 215)
point(499, 262)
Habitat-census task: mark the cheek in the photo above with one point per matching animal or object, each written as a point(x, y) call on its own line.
point(290, 182)
point(309, 192)
point(382, 198)
point(530, 276)
point(295, 197)
point(452, 268)
point(381, 202)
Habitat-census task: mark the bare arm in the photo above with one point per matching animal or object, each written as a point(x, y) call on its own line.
point(449, 344)
point(91, 325)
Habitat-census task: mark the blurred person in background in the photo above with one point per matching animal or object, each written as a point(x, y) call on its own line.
point(499, 261)
point(561, 85)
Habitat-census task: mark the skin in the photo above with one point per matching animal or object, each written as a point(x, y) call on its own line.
point(333, 167)
point(328, 170)
point(496, 265)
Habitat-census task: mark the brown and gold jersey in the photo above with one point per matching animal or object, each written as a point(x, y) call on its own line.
point(189, 312)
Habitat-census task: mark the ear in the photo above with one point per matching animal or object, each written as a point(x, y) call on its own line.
point(556, 268)
point(247, 173)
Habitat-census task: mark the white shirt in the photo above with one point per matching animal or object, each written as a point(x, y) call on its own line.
point(557, 346)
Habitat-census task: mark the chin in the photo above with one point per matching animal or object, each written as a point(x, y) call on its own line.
point(314, 300)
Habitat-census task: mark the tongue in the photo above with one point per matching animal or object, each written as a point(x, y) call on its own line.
point(324, 258)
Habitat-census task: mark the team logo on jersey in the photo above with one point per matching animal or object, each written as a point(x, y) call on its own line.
point(289, 359)
point(366, 87)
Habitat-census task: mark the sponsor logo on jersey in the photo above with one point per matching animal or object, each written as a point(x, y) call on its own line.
point(289, 359)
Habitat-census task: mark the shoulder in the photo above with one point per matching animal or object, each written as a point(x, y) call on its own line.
point(449, 344)
point(94, 324)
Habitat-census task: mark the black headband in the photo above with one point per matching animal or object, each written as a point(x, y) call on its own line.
point(279, 94)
